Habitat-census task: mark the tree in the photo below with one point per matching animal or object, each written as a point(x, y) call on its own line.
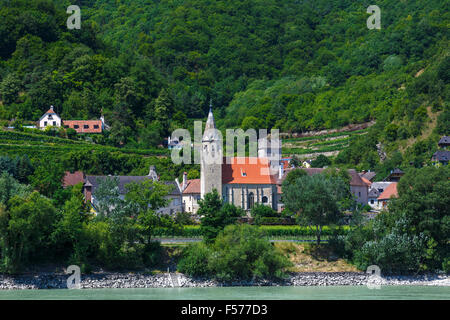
point(9, 187)
point(424, 199)
point(320, 162)
point(9, 88)
point(47, 178)
point(315, 200)
point(240, 252)
point(70, 236)
point(294, 175)
point(147, 197)
point(25, 231)
point(107, 197)
point(213, 217)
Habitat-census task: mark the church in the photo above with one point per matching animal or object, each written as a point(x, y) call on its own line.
point(246, 181)
point(242, 181)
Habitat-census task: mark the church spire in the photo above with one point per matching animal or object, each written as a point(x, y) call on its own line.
point(210, 124)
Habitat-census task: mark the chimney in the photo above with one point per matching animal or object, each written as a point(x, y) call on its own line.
point(184, 180)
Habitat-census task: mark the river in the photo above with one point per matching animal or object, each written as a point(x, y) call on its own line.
point(237, 293)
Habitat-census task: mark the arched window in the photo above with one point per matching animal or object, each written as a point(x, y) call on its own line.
point(264, 199)
point(251, 200)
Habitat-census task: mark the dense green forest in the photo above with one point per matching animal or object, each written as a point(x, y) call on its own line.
point(153, 66)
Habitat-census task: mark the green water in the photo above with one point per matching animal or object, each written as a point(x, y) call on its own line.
point(238, 293)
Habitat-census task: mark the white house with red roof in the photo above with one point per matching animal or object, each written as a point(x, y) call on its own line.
point(50, 118)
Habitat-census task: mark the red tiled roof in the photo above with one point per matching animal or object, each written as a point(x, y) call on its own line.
point(366, 181)
point(285, 163)
point(389, 192)
point(193, 186)
point(71, 179)
point(356, 179)
point(253, 170)
point(82, 123)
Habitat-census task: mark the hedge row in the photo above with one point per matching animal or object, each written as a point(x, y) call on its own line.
point(270, 231)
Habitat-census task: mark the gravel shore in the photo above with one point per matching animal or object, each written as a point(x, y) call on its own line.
point(139, 280)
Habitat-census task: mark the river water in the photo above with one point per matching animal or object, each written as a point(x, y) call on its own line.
point(238, 293)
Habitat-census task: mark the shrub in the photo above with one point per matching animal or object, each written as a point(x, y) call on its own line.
point(260, 211)
point(239, 252)
point(194, 260)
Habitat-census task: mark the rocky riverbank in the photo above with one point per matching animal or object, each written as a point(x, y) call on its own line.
point(139, 280)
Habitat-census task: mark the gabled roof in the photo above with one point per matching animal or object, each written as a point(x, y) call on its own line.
point(389, 192)
point(49, 112)
point(368, 175)
point(380, 184)
point(373, 193)
point(442, 155)
point(71, 179)
point(82, 123)
point(366, 181)
point(193, 186)
point(356, 179)
point(445, 140)
point(252, 170)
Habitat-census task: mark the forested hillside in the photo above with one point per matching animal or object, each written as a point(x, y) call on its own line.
point(153, 66)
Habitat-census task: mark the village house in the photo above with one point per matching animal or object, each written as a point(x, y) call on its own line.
point(387, 195)
point(444, 142)
point(191, 195)
point(441, 157)
point(50, 118)
point(394, 175)
point(376, 189)
point(90, 183)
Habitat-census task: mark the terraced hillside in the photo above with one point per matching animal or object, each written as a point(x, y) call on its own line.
point(327, 144)
point(36, 145)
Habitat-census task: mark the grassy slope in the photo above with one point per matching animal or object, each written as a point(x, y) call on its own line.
point(311, 258)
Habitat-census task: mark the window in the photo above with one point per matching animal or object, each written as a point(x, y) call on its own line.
point(264, 199)
point(45, 123)
point(95, 126)
point(86, 126)
point(359, 194)
point(372, 201)
point(50, 117)
point(66, 126)
point(54, 123)
point(76, 126)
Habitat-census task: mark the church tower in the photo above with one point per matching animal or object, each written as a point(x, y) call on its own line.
point(211, 158)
